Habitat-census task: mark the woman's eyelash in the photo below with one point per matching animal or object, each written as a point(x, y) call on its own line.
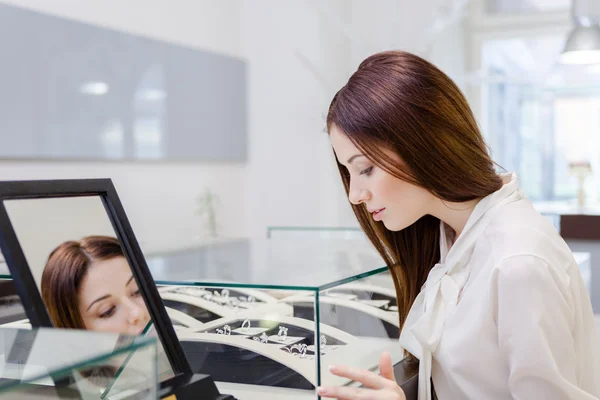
point(107, 313)
point(367, 171)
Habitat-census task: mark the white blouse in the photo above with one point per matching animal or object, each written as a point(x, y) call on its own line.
point(505, 314)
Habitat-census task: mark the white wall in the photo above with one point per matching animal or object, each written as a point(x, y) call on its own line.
point(300, 52)
point(297, 62)
point(160, 199)
point(206, 24)
point(433, 29)
point(292, 178)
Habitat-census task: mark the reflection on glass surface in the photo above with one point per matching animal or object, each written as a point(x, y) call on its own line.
point(284, 263)
point(54, 364)
point(79, 267)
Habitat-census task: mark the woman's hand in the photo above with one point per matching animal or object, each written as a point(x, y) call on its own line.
point(383, 386)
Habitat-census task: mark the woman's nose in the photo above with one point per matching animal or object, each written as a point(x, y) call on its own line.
point(135, 313)
point(358, 195)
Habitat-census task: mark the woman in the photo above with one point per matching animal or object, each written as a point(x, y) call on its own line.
point(490, 299)
point(88, 284)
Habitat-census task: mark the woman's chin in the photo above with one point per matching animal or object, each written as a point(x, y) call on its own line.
point(391, 226)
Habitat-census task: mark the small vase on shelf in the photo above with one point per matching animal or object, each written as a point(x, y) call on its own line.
point(581, 169)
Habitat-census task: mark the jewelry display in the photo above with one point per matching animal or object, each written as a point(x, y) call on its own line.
point(225, 331)
point(282, 334)
point(297, 349)
point(222, 298)
point(191, 291)
point(263, 338)
point(246, 324)
point(287, 340)
point(234, 302)
point(323, 344)
point(248, 330)
point(292, 330)
point(247, 302)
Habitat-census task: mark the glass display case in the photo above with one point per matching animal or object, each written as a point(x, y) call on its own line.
point(278, 312)
point(63, 364)
point(275, 313)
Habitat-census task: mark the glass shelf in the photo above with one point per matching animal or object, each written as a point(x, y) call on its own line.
point(306, 264)
point(59, 363)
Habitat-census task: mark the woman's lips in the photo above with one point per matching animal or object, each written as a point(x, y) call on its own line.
point(377, 214)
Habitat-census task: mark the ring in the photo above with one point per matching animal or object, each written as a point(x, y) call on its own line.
point(246, 324)
point(301, 349)
point(225, 331)
point(282, 334)
point(263, 338)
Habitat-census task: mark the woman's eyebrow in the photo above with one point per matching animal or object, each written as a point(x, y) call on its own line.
point(129, 281)
point(353, 157)
point(97, 300)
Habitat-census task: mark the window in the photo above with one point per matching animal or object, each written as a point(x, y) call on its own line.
point(538, 116)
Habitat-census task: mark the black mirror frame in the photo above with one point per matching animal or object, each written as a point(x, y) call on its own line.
point(25, 283)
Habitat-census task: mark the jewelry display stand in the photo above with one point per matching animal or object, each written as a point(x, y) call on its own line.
point(323, 308)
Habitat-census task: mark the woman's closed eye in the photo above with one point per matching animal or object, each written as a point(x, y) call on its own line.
point(136, 293)
point(367, 171)
point(108, 313)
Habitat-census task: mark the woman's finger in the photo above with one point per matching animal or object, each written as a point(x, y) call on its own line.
point(367, 378)
point(386, 368)
point(348, 393)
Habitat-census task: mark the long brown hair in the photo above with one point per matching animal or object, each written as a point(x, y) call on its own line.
point(66, 267)
point(399, 102)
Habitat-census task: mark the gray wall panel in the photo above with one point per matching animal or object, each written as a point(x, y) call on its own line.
point(151, 100)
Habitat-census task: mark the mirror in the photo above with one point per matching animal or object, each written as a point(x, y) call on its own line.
point(80, 268)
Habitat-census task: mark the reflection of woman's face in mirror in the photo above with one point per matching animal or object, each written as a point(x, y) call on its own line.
point(88, 284)
point(109, 299)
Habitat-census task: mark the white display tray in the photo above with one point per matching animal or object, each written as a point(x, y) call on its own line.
point(387, 316)
point(358, 352)
point(228, 311)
